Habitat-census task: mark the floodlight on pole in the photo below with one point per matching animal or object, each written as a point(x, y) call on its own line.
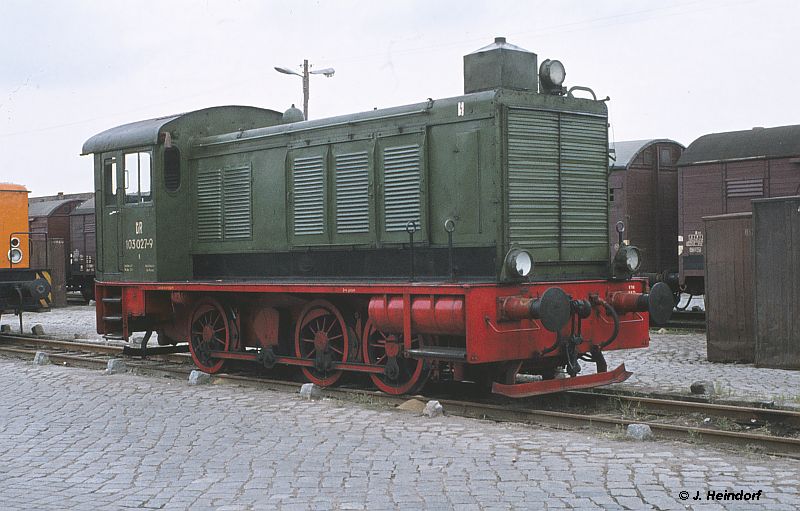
point(328, 72)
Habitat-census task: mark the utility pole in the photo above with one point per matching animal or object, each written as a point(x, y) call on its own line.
point(305, 88)
point(306, 75)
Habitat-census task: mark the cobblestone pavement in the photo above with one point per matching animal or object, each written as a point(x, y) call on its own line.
point(78, 439)
point(671, 363)
point(675, 360)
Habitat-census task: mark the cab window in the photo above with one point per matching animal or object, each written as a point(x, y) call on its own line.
point(110, 180)
point(137, 177)
point(172, 169)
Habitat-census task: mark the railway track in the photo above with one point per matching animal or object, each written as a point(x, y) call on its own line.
point(761, 429)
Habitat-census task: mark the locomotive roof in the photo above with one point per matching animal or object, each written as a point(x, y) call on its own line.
point(778, 142)
point(11, 187)
point(139, 133)
point(145, 133)
point(347, 119)
point(627, 151)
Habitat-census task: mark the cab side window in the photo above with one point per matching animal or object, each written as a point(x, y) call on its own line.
point(138, 168)
point(110, 181)
point(172, 169)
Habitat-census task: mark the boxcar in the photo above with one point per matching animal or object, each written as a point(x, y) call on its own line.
point(50, 217)
point(722, 173)
point(82, 250)
point(463, 238)
point(643, 193)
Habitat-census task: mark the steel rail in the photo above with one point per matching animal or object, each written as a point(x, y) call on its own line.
point(707, 409)
point(773, 445)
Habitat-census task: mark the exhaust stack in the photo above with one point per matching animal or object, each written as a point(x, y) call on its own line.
point(501, 65)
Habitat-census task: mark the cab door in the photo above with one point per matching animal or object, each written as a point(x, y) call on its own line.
point(108, 215)
point(137, 217)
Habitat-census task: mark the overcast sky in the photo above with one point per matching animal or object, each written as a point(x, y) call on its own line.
point(673, 69)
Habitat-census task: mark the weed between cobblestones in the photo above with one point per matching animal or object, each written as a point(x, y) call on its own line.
point(721, 391)
point(618, 433)
point(366, 400)
point(627, 409)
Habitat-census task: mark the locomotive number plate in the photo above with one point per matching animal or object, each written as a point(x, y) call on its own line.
point(139, 244)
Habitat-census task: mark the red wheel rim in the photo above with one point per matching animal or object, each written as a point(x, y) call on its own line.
point(209, 330)
point(413, 373)
point(321, 327)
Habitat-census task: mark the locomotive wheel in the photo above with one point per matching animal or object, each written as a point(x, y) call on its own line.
point(209, 330)
point(322, 336)
point(402, 375)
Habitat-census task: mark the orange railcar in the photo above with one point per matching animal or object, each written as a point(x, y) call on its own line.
point(22, 287)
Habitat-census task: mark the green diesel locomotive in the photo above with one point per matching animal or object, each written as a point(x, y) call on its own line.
point(460, 238)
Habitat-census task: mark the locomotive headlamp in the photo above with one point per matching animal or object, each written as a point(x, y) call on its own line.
point(14, 242)
point(519, 263)
point(552, 74)
point(628, 259)
point(15, 255)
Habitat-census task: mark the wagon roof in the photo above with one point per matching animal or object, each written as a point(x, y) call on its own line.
point(627, 151)
point(85, 207)
point(778, 142)
point(46, 208)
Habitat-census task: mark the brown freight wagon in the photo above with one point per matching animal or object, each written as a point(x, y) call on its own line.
point(50, 216)
point(82, 250)
point(722, 173)
point(643, 193)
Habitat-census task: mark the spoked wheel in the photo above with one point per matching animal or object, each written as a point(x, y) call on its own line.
point(209, 330)
point(401, 375)
point(322, 336)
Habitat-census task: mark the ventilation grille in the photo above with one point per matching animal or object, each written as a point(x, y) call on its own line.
point(209, 205)
point(557, 184)
point(584, 181)
point(744, 188)
point(309, 194)
point(352, 193)
point(533, 179)
point(236, 203)
point(401, 170)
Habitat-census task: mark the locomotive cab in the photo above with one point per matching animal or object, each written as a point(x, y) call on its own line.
point(142, 190)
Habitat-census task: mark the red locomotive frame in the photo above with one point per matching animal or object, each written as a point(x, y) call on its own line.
point(477, 328)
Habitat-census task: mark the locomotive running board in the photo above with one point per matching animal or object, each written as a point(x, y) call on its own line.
point(559, 385)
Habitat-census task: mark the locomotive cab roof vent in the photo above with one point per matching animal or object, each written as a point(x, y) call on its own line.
point(500, 65)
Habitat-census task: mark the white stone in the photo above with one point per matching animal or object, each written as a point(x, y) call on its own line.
point(37, 330)
point(116, 365)
point(41, 358)
point(433, 409)
point(639, 432)
point(310, 391)
point(199, 378)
